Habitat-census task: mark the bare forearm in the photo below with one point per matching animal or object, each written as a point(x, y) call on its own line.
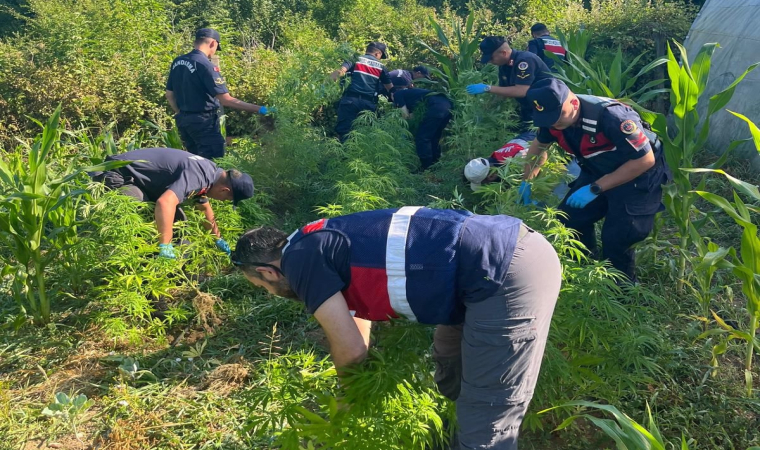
point(234, 103)
point(172, 101)
point(210, 222)
point(164, 219)
point(338, 73)
point(535, 158)
point(626, 172)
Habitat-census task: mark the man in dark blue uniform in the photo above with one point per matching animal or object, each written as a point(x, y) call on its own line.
point(541, 41)
point(195, 89)
point(169, 177)
point(420, 72)
point(489, 282)
point(368, 77)
point(622, 168)
point(436, 108)
point(517, 72)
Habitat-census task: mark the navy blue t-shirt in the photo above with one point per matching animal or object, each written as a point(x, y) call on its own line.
point(318, 264)
point(411, 97)
point(629, 144)
point(157, 170)
point(524, 69)
point(195, 82)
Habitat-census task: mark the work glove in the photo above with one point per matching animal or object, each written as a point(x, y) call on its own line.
point(581, 197)
point(166, 251)
point(475, 89)
point(222, 245)
point(524, 192)
point(264, 110)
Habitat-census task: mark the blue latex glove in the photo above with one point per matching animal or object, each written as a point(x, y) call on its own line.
point(166, 251)
point(222, 245)
point(475, 89)
point(264, 110)
point(581, 197)
point(524, 191)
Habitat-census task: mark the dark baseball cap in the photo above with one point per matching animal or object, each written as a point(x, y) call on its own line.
point(423, 70)
point(242, 186)
point(209, 33)
point(489, 45)
point(380, 46)
point(546, 98)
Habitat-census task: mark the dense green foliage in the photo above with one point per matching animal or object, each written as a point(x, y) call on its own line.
point(187, 354)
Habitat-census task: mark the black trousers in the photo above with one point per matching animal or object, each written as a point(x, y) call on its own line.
point(349, 109)
point(201, 134)
point(428, 138)
point(526, 114)
point(628, 212)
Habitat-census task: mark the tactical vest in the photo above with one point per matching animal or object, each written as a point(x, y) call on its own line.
point(403, 262)
point(594, 142)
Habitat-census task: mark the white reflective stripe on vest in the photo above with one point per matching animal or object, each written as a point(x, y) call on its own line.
point(395, 261)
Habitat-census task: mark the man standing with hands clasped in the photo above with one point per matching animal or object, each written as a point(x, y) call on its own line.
point(517, 72)
point(195, 89)
point(622, 168)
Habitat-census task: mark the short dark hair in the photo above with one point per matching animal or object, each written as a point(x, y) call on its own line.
point(538, 28)
point(200, 41)
point(261, 245)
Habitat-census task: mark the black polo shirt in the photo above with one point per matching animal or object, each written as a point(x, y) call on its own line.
point(195, 82)
point(412, 97)
point(524, 69)
point(157, 170)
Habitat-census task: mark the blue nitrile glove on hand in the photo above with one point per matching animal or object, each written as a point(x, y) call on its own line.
point(581, 197)
point(166, 251)
point(524, 191)
point(222, 245)
point(264, 110)
point(475, 89)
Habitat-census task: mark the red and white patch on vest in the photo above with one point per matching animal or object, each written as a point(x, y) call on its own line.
point(216, 69)
point(638, 140)
point(314, 226)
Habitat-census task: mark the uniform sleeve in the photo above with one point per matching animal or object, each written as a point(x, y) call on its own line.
point(544, 136)
point(313, 267)
point(169, 81)
point(525, 72)
point(622, 126)
point(212, 79)
point(385, 78)
point(348, 65)
point(189, 183)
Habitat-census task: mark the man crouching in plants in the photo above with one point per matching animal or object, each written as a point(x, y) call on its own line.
point(490, 283)
point(168, 177)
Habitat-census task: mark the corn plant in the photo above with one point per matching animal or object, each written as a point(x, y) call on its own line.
point(613, 81)
point(461, 52)
point(36, 203)
point(576, 42)
point(686, 137)
point(626, 432)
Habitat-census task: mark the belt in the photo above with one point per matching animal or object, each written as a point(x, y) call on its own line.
point(213, 111)
point(372, 98)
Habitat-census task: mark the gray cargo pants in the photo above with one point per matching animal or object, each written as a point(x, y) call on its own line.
point(490, 364)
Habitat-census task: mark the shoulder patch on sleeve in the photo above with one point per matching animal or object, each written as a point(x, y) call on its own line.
point(219, 80)
point(637, 140)
point(628, 126)
point(523, 66)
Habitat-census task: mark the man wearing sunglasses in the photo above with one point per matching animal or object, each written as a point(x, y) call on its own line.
point(489, 283)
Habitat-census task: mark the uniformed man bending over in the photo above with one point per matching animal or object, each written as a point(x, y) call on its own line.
point(517, 72)
point(368, 77)
point(169, 177)
point(437, 114)
point(195, 89)
point(542, 41)
point(622, 168)
point(489, 282)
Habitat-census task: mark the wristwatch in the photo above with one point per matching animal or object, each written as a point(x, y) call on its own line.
point(488, 88)
point(595, 189)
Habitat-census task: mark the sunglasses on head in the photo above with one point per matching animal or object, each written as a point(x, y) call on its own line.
point(256, 264)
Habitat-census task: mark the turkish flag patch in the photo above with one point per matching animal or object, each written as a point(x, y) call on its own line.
point(638, 140)
point(216, 69)
point(314, 226)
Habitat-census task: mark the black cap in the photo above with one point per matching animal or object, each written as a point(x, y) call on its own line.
point(546, 97)
point(380, 46)
point(489, 45)
point(242, 187)
point(423, 70)
point(209, 33)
